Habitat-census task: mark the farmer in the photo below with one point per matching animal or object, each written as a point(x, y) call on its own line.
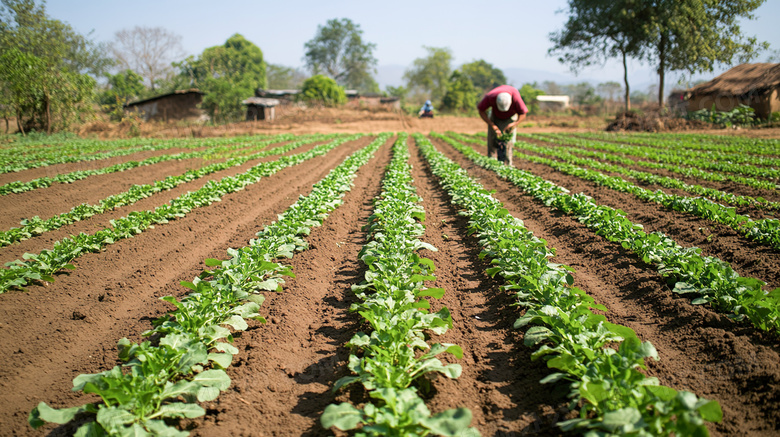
point(426, 111)
point(507, 111)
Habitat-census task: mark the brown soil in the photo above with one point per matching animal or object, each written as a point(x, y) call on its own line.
point(700, 350)
point(727, 186)
point(282, 377)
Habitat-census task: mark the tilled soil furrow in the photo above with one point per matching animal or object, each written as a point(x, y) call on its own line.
point(55, 332)
point(101, 221)
point(499, 383)
point(701, 351)
point(283, 376)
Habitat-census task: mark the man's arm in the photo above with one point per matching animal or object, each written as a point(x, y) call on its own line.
point(512, 125)
point(490, 124)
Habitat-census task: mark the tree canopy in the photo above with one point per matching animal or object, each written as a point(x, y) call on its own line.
point(461, 94)
point(431, 74)
point(695, 35)
point(227, 74)
point(47, 68)
point(338, 51)
point(124, 87)
point(483, 75)
point(597, 30)
point(676, 35)
point(281, 77)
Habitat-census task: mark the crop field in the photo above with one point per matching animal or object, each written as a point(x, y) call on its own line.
point(391, 284)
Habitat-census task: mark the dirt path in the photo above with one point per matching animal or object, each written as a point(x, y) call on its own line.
point(700, 350)
point(54, 333)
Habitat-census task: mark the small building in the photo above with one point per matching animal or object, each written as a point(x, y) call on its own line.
point(260, 108)
point(553, 103)
point(754, 85)
point(284, 97)
point(178, 105)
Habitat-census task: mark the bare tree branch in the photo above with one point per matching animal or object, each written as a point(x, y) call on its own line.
point(149, 51)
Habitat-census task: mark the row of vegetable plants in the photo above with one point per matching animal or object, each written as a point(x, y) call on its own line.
point(703, 142)
point(764, 231)
point(54, 156)
point(644, 177)
point(673, 168)
point(67, 178)
point(165, 379)
point(389, 360)
point(72, 149)
point(677, 157)
point(36, 226)
point(41, 266)
point(686, 269)
point(601, 361)
point(26, 151)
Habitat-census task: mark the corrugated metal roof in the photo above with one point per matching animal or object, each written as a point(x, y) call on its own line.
point(138, 102)
point(261, 101)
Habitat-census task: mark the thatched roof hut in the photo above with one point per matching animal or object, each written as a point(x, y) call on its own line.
point(754, 85)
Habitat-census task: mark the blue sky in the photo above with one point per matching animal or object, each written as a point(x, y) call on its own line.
point(508, 34)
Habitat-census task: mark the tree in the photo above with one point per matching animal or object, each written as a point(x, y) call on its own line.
point(281, 77)
point(227, 74)
point(338, 50)
point(609, 90)
point(695, 35)
point(26, 26)
point(582, 93)
point(46, 68)
point(461, 94)
point(529, 93)
point(597, 30)
point(551, 87)
point(322, 89)
point(123, 87)
point(483, 75)
point(149, 51)
point(397, 91)
point(432, 73)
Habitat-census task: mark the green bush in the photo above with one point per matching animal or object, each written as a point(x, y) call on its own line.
point(742, 115)
point(323, 89)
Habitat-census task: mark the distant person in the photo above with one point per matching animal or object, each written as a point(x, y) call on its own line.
point(507, 111)
point(427, 110)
